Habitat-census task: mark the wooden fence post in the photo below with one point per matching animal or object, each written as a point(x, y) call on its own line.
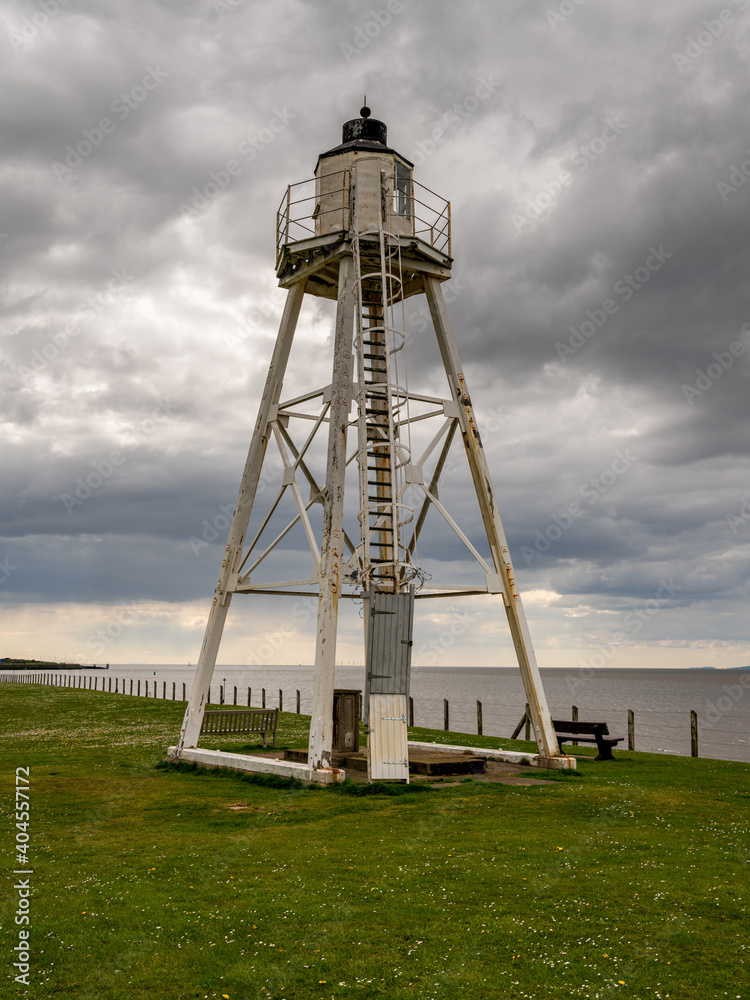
point(516, 732)
point(235, 694)
point(263, 698)
point(411, 711)
point(574, 718)
point(174, 690)
point(183, 691)
point(298, 711)
point(446, 714)
point(281, 700)
point(479, 718)
point(248, 697)
point(527, 724)
point(631, 729)
point(693, 733)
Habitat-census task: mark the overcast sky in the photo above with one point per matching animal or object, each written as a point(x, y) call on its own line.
point(596, 155)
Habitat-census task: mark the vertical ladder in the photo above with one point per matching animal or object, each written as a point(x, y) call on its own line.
point(379, 515)
point(387, 566)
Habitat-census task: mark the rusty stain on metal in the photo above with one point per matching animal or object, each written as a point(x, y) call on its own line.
point(490, 494)
point(465, 399)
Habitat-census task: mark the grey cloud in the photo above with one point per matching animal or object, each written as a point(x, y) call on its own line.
point(195, 281)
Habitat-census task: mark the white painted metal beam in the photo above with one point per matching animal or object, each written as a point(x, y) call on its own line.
point(315, 490)
point(532, 682)
point(560, 762)
point(439, 506)
point(191, 725)
point(332, 546)
point(258, 765)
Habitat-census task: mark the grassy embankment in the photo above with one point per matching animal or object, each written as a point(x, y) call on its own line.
point(629, 880)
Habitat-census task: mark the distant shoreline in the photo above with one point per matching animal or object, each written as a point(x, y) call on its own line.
point(9, 662)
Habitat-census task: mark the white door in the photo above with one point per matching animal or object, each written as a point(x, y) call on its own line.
point(387, 745)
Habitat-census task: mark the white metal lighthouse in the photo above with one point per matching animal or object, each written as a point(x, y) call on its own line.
point(364, 233)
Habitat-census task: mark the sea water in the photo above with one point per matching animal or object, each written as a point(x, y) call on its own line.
point(661, 700)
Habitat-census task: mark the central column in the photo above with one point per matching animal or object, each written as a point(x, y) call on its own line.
point(331, 553)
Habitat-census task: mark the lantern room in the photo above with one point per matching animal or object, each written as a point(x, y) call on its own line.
point(362, 183)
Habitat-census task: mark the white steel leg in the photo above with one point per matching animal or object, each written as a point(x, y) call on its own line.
point(331, 551)
point(532, 682)
point(191, 725)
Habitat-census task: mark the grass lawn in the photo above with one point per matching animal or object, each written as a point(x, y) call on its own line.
point(629, 880)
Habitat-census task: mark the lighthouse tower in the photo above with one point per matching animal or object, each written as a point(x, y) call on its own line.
point(366, 234)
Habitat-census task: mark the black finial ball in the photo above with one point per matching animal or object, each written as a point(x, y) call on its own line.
point(365, 112)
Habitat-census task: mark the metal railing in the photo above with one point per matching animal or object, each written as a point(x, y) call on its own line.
point(301, 217)
point(432, 220)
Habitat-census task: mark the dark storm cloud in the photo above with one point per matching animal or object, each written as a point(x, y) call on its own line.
point(579, 153)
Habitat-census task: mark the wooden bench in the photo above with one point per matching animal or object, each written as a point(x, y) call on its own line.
point(587, 732)
point(242, 720)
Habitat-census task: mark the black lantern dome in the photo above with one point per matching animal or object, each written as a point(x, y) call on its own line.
point(363, 134)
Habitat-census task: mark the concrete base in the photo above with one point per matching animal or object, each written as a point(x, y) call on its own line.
point(258, 765)
point(509, 756)
point(431, 762)
point(557, 763)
